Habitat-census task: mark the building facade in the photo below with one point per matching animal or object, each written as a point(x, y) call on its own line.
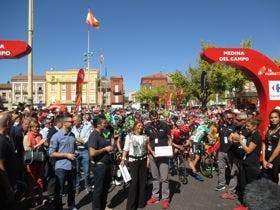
point(159, 79)
point(117, 92)
point(6, 94)
point(20, 89)
point(61, 87)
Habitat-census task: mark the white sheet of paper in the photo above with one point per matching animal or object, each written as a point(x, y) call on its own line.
point(164, 151)
point(125, 174)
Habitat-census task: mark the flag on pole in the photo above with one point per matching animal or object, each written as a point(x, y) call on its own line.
point(179, 98)
point(79, 88)
point(159, 100)
point(91, 20)
point(101, 57)
point(168, 100)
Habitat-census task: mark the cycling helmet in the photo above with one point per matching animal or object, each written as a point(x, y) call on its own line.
point(184, 128)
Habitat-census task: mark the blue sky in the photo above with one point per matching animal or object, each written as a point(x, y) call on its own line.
point(138, 37)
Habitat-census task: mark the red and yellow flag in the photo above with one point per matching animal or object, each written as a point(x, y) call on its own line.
point(91, 20)
point(79, 88)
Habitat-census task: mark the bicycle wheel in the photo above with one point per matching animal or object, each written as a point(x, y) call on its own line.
point(182, 170)
point(206, 165)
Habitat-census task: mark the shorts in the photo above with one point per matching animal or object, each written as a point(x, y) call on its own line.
point(197, 148)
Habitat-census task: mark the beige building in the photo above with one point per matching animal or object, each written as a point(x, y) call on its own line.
point(61, 87)
point(6, 94)
point(20, 90)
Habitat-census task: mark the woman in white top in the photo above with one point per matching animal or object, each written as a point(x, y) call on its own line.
point(135, 148)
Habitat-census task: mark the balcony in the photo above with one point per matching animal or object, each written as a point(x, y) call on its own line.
point(17, 91)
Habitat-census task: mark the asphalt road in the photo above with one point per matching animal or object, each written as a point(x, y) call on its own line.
point(195, 195)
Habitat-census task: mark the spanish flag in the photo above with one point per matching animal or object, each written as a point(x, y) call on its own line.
point(91, 20)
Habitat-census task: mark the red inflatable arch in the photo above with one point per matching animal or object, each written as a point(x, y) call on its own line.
point(263, 72)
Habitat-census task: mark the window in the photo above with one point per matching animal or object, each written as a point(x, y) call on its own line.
point(84, 99)
point(17, 87)
point(116, 99)
point(53, 99)
point(84, 87)
point(116, 88)
point(63, 87)
point(63, 98)
point(24, 88)
point(4, 96)
point(53, 87)
point(17, 100)
point(73, 87)
point(92, 86)
point(73, 97)
point(53, 78)
point(62, 78)
point(92, 98)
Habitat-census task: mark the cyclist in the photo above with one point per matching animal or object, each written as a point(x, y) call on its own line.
point(202, 132)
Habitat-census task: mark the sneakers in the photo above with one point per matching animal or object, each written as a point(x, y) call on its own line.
point(229, 196)
point(198, 177)
point(165, 204)
point(220, 187)
point(241, 207)
point(152, 200)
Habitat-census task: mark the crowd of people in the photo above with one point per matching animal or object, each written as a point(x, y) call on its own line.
point(41, 150)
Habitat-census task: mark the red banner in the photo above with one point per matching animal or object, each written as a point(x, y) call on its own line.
point(79, 88)
point(159, 100)
point(13, 49)
point(179, 98)
point(168, 100)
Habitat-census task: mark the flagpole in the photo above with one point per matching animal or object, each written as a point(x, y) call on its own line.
point(100, 78)
point(88, 66)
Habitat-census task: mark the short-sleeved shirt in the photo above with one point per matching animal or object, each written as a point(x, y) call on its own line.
point(97, 141)
point(63, 143)
point(271, 142)
point(158, 134)
point(7, 154)
point(252, 159)
point(136, 146)
point(224, 132)
point(200, 133)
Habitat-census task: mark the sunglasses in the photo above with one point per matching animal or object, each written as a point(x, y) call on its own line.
point(238, 120)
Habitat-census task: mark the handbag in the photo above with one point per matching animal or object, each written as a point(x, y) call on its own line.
point(33, 155)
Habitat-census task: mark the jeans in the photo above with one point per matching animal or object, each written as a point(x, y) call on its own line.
point(102, 177)
point(82, 160)
point(62, 176)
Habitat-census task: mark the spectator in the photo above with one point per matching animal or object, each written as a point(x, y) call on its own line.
point(8, 162)
point(100, 151)
point(270, 153)
point(136, 149)
point(81, 134)
point(62, 147)
point(35, 171)
point(159, 135)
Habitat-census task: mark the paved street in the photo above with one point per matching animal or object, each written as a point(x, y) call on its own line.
point(193, 196)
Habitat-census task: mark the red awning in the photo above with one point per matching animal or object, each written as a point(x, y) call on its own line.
point(60, 107)
point(11, 49)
